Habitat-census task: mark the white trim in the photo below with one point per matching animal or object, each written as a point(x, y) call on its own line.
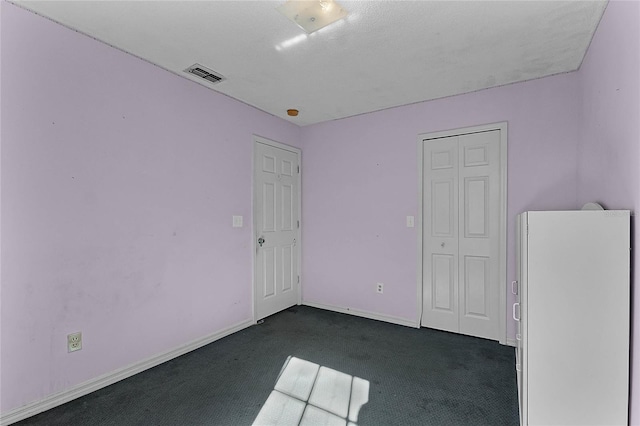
point(504, 231)
point(502, 127)
point(511, 342)
point(365, 314)
point(254, 250)
point(100, 382)
point(420, 227)
point(265, 141)
point(254, 225)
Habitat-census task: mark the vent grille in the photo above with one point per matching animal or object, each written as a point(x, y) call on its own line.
point(204, 73)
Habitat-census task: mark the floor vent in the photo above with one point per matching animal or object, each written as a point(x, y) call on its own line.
point(205, 73)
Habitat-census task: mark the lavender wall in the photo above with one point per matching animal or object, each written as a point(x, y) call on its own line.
point(119, 181)
point(609, 149)
point(361, 181)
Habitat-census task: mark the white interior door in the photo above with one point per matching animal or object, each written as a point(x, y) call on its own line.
point(461, 234)
point(277, 221)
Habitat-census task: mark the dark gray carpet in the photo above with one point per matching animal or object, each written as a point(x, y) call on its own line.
point(417, 376)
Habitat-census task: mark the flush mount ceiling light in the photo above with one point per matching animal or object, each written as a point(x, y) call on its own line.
point(311, 15)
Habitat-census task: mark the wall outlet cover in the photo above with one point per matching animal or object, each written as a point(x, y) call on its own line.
point(74, 342)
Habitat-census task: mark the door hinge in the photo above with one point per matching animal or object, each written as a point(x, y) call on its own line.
point(298, 279)
point(298, 169)
point(298, 224)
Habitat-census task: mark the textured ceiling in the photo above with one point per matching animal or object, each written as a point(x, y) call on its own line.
point(384, 54)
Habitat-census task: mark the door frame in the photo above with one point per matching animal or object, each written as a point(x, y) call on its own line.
point(254, 224)
point(502, 276)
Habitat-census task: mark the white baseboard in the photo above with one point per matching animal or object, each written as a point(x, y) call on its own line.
point(364, 314)
point(92, 385)
point(512, 342)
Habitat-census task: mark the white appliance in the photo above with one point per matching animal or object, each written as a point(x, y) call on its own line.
point(572, 357)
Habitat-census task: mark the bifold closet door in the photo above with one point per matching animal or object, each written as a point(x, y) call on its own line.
point(440, 227)
point(461, 241)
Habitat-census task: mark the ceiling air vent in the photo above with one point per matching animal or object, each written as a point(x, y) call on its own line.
point(205, 73)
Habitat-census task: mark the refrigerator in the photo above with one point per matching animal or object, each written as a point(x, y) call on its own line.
point(573, 315)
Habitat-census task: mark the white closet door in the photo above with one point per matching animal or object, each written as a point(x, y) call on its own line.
point(461, 241)
point(478, 242)
point(440, 251)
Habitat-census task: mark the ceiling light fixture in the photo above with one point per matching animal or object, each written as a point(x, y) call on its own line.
point(292, 112)
point(311, 15)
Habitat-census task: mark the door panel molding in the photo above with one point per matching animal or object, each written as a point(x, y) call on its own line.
point(290, 281)
point(474, 159)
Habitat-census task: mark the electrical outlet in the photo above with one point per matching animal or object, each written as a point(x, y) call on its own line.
point(74, 342)
point(380, 288)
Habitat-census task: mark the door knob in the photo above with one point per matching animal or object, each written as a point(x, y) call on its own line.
point(261, 241)
point(442, 245)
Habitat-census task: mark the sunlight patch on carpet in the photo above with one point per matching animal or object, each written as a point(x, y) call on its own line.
point(309, 394)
